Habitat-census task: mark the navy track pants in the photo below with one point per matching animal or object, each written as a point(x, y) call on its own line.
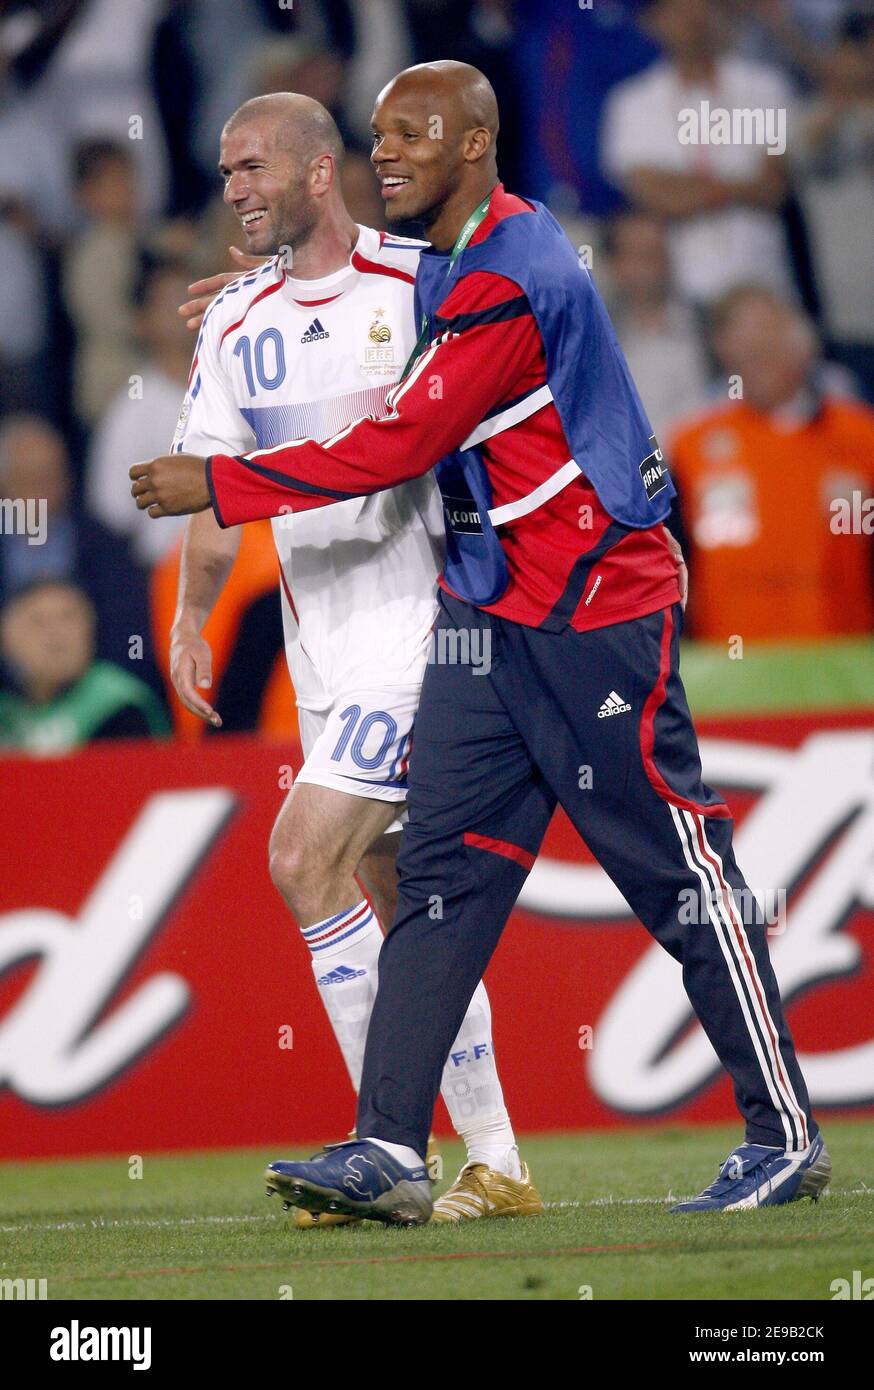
point(494, 751)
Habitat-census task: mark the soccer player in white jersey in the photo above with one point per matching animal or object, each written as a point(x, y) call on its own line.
point(300, 346)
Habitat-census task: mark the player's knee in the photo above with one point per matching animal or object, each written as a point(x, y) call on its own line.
point(290, 865)
point(300, 871)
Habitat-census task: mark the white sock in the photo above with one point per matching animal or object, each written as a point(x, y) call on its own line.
point(472, 1091)
point(407, 1156)
point(345, 950)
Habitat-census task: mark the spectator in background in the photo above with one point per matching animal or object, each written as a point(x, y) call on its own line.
point(24, 310)
point(567, 62)
point(482, 33)
point(296, 65)
point(99, 275)
point(796, 33)
point(203, 59)
point(720, 201)
point(142, 417)
point(96, 86)
point(63, 698)
point(834, 156)
point(34, 467)
point(658, 332)
point(382, 48)
point(34, 211)
point(757, 477)
point(29, 42)
point(80, 72)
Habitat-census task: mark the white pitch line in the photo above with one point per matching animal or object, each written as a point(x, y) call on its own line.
point(611, 1201)
point(105, 1224)
point(126, 1223)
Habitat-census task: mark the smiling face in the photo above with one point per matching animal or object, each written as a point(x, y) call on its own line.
point(267, 186)
point(418, 151)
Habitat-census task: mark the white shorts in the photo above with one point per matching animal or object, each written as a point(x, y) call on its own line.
point(361, 744)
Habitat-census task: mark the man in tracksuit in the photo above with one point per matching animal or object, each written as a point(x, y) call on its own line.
point(554, 491)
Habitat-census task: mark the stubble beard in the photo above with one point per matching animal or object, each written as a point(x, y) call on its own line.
point(297, 222)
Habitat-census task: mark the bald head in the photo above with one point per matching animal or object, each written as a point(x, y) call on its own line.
point(299, 125)
point(456, 89)
point(768, 342)
point(435, 129)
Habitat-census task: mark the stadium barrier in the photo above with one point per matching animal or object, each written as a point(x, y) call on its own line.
point(154, 994)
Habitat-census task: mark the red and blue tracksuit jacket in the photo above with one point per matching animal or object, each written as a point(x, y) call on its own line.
point(554, 487)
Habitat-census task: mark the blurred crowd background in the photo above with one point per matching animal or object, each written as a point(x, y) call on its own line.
point(741, 284)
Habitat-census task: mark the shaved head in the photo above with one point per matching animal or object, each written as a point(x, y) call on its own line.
point(766, 340)
point(280, 160)
point(457, 87)
point(435, 129)
point(300, 125)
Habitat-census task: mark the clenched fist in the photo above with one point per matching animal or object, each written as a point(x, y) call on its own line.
point(170, 486)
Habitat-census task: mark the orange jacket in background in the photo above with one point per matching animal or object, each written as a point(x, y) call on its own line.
point(765, 561)
point(255, 572)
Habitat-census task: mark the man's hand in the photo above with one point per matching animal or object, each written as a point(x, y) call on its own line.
point(190, 667)
point(205, 291)
point(170, 486)
point(682, 572)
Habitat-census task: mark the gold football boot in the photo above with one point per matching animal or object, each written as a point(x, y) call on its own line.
point(479, 1191)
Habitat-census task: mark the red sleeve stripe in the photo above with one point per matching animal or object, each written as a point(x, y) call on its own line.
point(271, 289)
point(373, 268)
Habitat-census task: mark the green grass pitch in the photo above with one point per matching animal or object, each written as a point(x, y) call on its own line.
point(198, 1226)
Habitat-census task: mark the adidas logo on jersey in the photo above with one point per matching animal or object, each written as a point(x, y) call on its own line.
point(340, 975)
point(315, 333)
point(614, 704)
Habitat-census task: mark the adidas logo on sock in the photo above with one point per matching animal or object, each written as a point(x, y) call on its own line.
point(614, 704)
point(340, 975)
point(315, 333)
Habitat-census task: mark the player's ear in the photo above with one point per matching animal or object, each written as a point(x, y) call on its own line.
point(322, 173)
point(477, 143)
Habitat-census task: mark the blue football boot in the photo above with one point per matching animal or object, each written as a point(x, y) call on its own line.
point(355, 1178)
point(756, 1176)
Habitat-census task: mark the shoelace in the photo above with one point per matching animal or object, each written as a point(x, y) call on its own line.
point(468, 1184)
point(723, 1184)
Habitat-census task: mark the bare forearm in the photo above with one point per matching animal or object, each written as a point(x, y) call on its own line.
point(677, 196)
point(767, 189)
point(664, 194)
point(208, 555)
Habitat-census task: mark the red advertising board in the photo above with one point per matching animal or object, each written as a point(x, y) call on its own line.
point(154, 993)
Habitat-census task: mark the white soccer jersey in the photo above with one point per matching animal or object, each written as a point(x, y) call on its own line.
point(279, 359)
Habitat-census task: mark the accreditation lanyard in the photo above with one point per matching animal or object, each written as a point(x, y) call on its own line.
point(464, 236)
